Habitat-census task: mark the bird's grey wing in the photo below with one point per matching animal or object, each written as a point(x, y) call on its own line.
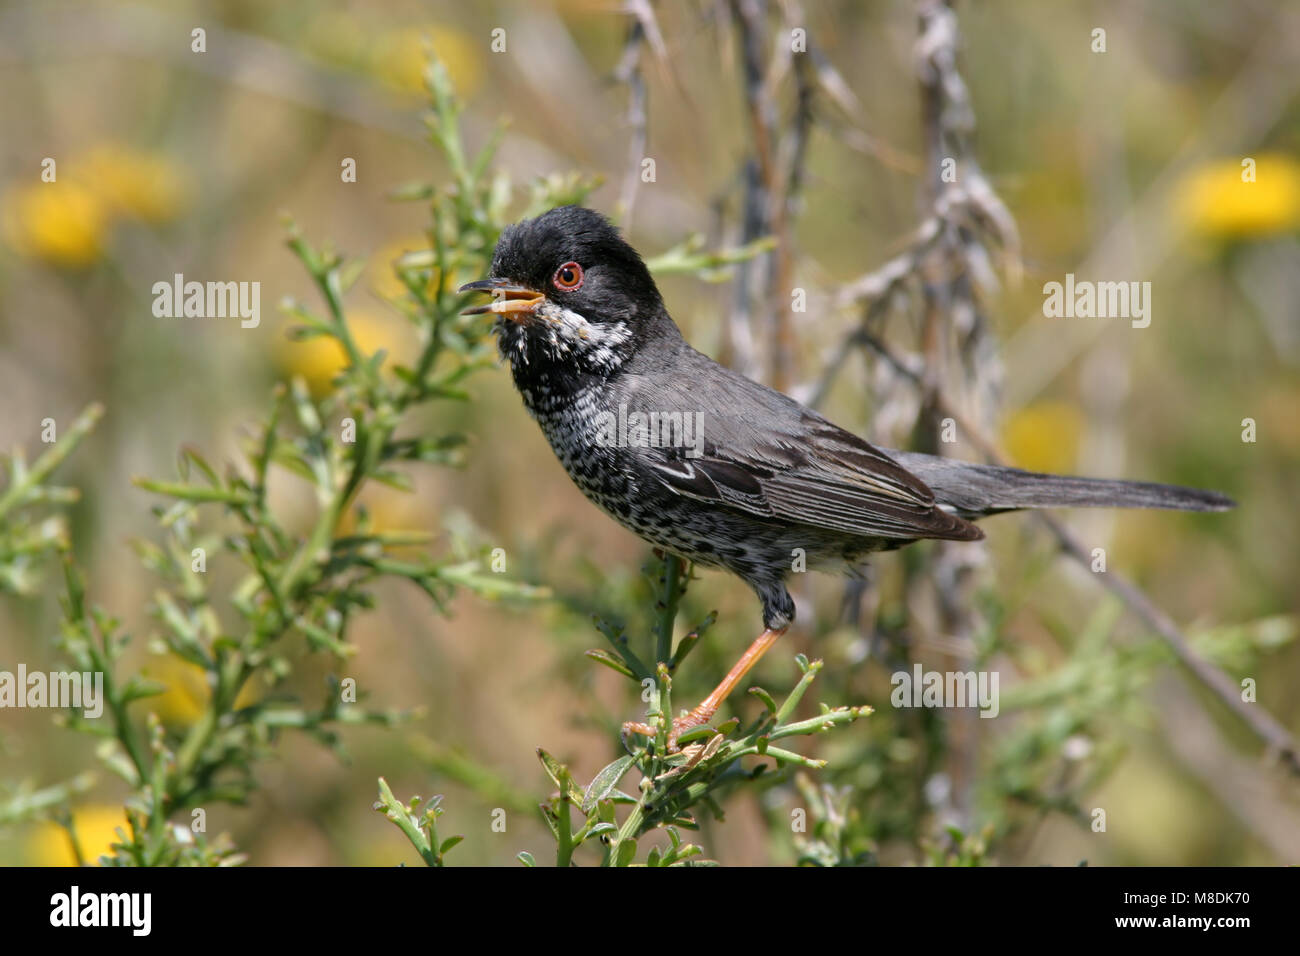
point(766, 455)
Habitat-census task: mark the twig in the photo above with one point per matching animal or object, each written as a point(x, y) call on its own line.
point(629, 73)
point(753, 306)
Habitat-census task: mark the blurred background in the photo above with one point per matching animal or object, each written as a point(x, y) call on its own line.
point(1116, 165)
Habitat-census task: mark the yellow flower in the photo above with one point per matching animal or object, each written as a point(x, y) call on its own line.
point(1212, 200)
point(399, 58)
point(390, 509)
point(187, 692)
point(380, 269)
point(382, 273)
point(1044, 437)
point(337, 37)
point(320, 358)
point(62, 222)
point(140, 185)
point(95, 825)
point(67, 222)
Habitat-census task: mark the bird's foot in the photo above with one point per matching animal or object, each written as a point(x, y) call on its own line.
point(699, 717)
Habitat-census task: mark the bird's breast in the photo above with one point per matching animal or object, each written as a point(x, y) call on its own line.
point(569, 420)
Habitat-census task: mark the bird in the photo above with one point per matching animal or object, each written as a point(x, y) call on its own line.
point(706, 464)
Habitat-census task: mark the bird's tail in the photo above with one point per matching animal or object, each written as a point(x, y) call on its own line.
point(975, 491)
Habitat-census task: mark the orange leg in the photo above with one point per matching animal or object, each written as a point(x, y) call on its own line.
point(704, 712)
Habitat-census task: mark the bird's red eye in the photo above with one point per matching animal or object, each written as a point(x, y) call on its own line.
point(568, 277)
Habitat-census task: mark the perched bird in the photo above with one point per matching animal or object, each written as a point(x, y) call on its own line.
point(706, 464)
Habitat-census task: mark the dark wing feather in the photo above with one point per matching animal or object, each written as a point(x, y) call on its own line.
point(715, 480)
point(817, 475)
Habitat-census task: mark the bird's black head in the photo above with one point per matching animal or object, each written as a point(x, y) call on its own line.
point(569, 291)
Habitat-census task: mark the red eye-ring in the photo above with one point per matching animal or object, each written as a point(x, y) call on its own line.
point(568, 277)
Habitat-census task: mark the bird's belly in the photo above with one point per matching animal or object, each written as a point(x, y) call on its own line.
point(617, 481)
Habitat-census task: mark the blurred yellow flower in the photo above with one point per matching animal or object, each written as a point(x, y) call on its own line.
point(1212, 200)
point(1044, 437)
point(396, 56)
point(337, 36)
point(382, 273)
point(187, 691)
point(62, 222)
point(399, 58)
point(320, 358)
point(95, 825)
point(67, 222)
point(186, 694)
point(140, 185)
point(390, 509)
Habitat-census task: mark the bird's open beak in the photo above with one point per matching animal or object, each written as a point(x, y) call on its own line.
point(513, 301)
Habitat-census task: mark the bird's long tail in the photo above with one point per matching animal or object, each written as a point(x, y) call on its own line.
point(975, 491)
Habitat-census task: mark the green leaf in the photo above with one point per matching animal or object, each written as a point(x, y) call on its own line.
point(548, 814)
point(189, 454)
point(604, 783)
point(626, 853)
point(766, 698)
point(560, 776)
point(612, 661)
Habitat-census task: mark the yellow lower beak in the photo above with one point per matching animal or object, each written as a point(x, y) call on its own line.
point(512, 301)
